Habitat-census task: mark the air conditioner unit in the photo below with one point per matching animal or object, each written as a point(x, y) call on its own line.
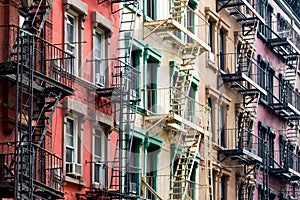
point(211, 57)
point(132, 187)
point(99, 79)
point(74, 169)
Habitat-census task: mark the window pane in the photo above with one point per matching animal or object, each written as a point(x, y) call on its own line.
point(98, 44)
point(69, 155)
point(70, 133)
point(97, 174)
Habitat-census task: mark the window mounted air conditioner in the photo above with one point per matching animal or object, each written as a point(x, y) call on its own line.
point(74, 169)
point(99, 79)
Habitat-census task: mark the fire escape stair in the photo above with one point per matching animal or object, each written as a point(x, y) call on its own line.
point(123, 99)
point(37, 101)
point(186, 162)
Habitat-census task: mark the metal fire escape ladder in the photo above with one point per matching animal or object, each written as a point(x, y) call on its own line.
point(179, 8)
point(37, 15)
point(184, 169)
point(183, 82)
point(124, 98)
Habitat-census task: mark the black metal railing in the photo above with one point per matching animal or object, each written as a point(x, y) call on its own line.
point(47, 167)
point(286, 160)
point(241, 140)
point(37, 54)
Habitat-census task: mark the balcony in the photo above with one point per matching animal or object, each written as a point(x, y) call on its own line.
point(243, 147)
point(243, 77)
point(285, 163)
point(26, 52)
point(241, 10)
point(158, 104)
point(47, 172)
point(282, 98)
point(283, 38)
point(177, 26)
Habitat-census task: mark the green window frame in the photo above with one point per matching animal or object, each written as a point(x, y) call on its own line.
point(150, 10)
point(152, 59)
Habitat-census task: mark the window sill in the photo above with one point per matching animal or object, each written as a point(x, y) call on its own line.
point(139, 110)
point(138, 11)
point(212, 66)
point(77, 181)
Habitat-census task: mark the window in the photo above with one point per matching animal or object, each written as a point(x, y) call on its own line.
point(223, 186)
point(210, 34)
point(151, 9)
point(283, 151)
point(99, 155)
point(192, 185)
point(222, 125)
point(271, 148)
point(210, 119)
point(135, 79)
point(262, 76)
point(269, 86)
point(151, 79)
point(99, 54)
point(71, 37)
point(135, 171)
point(191, 104)
point(73, 147)
point(262, 136)
point(152, 154)
point(222, 50)
point(269, 21)
point(190, 19)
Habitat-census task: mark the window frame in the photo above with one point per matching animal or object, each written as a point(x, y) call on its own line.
point(99, 159)
point(99, 61)
point(75, 52)
point(222, 49)
point(76, 136)
point(152, 59)
point(151, 10)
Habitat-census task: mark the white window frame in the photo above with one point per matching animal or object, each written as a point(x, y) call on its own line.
point(99, 159)
point(75, 38)
point(75, 139)
point(100, 73)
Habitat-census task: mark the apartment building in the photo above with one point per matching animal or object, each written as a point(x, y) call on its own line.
point(179, 99)
point(264, 72)
point(55, 130)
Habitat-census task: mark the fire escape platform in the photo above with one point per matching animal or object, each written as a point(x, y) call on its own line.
point(236, 79)
point(67, 90)
point(287, 172)
point(44, 191)
point(242, 155)
point(233, 6)
point(286, 110)
point(284, 46)
point(163, 26)
point(173, 120)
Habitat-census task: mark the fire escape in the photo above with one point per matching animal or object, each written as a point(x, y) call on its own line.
point(35, 67)
point(191, 135)
point(123, 97)
point(283, 40)
point(243, 80)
